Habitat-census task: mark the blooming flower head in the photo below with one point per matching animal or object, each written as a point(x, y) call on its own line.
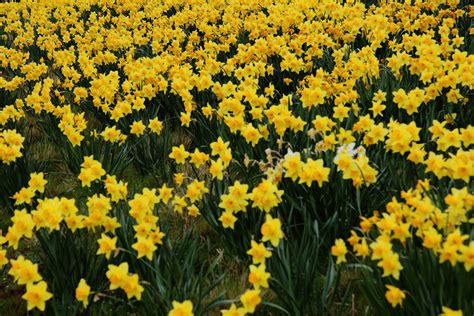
point(82, 292)
point(271, 230)
point(179, 154)
point(339, 250)
point(394, 295)
point(182, 309)
point(36, 295)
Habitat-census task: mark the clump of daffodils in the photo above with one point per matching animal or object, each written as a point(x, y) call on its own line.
point(274, 98)
point(387, 236)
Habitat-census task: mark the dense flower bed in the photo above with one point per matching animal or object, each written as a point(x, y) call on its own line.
point(286, 134)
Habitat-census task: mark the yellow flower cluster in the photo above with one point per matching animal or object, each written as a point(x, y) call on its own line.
point(258, 276)
point(91, 170)
point(26, 272)
point(415, 216)
point(293, 94)
point(12, 113)
point(119, 277)
point(11, 144)
point(147, 231)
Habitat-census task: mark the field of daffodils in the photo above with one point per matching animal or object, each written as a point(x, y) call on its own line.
point(237, 157)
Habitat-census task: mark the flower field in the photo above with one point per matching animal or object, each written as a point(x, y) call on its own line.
point(236, 157)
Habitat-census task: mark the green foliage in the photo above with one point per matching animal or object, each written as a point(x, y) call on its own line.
point(150, 155)
point(181, 269)
point(115, 158)
point(66, 257)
